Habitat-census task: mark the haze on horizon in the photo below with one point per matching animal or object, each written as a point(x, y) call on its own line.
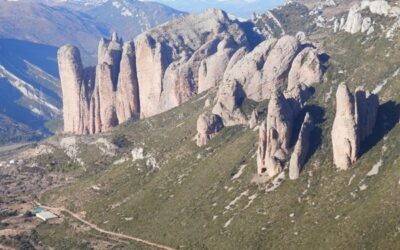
point(240, 8)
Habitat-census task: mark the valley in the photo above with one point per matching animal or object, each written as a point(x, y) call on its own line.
point(211, 133)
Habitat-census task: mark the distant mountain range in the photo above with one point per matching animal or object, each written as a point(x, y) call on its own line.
point(31, 32)
point(240, 8)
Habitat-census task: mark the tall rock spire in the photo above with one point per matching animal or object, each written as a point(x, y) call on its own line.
point(97, 100)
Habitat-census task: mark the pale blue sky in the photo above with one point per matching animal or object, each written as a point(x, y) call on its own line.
point(241, 8)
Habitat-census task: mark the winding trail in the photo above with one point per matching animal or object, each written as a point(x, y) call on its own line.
point(59, 210)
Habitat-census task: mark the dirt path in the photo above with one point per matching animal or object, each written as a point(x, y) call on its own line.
point(59, 210)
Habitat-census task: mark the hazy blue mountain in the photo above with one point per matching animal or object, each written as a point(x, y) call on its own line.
point(31, 32)
point(240, 8)
point(29, 89)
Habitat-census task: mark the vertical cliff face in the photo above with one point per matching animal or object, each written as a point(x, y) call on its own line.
point(354, 122)
point(107, 71)
point(74, 89)
point(184, 57)
point(95, 100)
point(274, 137)
point(127, 96)
point(367, 110)
point(163, 68)
point(344, 131)
point(301, 149)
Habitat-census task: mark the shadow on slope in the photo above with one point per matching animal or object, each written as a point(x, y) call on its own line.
point(387, 119)
point(10, 107)
point(15, 56)
point(318, 116)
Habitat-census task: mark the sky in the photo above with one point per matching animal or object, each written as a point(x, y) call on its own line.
point(240, 8)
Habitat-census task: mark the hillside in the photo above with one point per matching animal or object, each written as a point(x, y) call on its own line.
point(31, 31)
point(149, 179)
point(30, 91)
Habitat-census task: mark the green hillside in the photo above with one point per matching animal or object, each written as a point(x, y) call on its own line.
point(208, 198)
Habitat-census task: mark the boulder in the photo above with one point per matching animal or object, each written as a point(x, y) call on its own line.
point(354, 20)
point(306, 69)
point(366, 24)
point(208, 125)
point(229, 99)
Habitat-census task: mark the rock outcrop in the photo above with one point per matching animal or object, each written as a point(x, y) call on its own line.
point(356, 22)
point(96, 100)
point(354, 121)
point(184, 57)
point(306, 69)
point(301, 149)
point(160, 70)
point(208, 125)
point(274, 136)
point(253, 119)
point(127, 96)
point(76, 84)
point(345, 141)
point(270, 67)
point(229, 99)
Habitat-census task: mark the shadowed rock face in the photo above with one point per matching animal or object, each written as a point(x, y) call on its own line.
point(96, 101)
point(274, 137)
point(301, 149)
point(367, 111)
point(208, 125)
point(270, 67)
point(127, 99)
point(354, 121)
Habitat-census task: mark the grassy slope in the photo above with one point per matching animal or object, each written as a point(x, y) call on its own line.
point(178, 204)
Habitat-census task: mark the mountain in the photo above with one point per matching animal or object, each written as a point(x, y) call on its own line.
point(292, 144)
point(30, 94)
point(240, 8)
point(81, 23)
point(31, 31)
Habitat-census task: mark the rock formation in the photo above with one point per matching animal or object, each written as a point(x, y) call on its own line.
point(160, 70)
point(97, 100)
point(253, 119)
point(76, 84)
point(274, 137)
point(306, 69)
point(229, 99)
point(268, 68)
point(301, 149)
point(127, 99)
point(355, 21)
point(208, 125)
point(183, 57)
point(345, 141)
point(354, 121)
